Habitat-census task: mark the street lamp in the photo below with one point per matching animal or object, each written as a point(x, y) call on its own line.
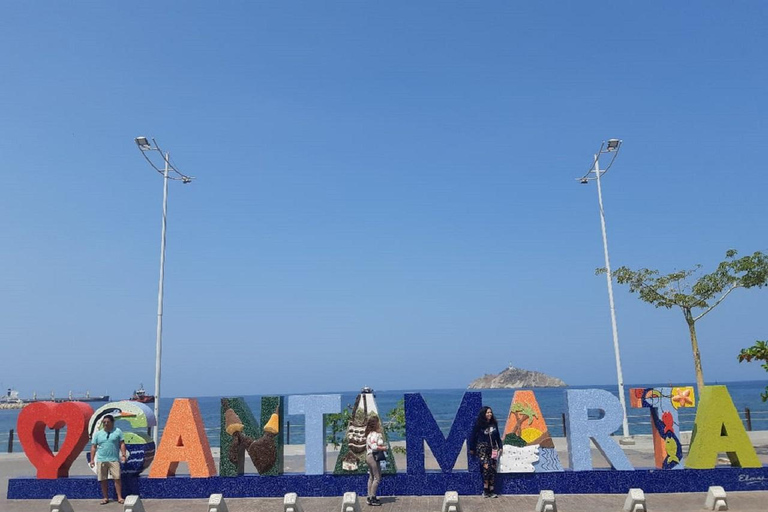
point(611, 147)
point(145, 147)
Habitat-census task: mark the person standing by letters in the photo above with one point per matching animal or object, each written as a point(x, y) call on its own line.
point(485, 444)
point(375, 452)
point(109, 446)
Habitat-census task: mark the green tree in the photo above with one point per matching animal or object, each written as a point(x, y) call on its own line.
point(758, 352)
point(336, 426)
point(395, 423)
point(695, 294)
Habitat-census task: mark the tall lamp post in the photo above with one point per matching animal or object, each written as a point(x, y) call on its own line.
point(145, 147)
point(611, 147)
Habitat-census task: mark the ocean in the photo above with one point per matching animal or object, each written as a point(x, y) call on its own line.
point(444, 403)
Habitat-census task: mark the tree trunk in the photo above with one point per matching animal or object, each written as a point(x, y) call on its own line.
point(518, 425)
point(695, 349)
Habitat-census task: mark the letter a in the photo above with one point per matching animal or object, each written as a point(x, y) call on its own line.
point(184, 440)
point(718, 429)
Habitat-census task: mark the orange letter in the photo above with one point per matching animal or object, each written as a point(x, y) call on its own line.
point(184, 440)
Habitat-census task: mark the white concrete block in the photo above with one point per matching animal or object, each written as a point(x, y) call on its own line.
point(133, 504)
point(291, 503)
point(349, 503)
point(216, 503)
point(451, 502)
point(716, 499)
point(59, 503)
point(546, 502)
point(635, 501)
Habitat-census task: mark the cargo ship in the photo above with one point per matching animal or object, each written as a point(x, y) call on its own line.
point(12, 396)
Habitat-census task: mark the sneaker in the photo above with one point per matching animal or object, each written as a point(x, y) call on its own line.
point(492, 495)
point(486, 494)
point(375, 502)
point(368, 501)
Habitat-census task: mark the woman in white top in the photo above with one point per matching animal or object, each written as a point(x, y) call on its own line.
point(374, 442)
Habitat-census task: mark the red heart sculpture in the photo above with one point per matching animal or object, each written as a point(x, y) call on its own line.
point(34, 418)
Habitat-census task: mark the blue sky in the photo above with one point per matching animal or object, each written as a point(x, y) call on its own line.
point(388, 182)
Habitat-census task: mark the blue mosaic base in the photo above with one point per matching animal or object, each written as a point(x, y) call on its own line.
point(602, 481)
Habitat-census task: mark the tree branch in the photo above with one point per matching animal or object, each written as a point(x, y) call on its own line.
point(661, 296)
point(713, 306)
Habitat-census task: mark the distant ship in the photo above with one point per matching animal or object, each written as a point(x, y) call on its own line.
point(140, 395)
point(11, 400)
point(12, 396)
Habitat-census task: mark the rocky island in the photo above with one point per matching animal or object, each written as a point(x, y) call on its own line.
point(513, 378)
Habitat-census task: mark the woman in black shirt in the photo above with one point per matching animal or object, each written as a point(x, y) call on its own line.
point(485, 443)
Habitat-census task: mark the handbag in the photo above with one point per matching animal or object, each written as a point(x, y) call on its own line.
point(379, 455)
point(494, 451)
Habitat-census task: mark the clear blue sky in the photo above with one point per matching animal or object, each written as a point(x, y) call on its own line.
point(388, 180)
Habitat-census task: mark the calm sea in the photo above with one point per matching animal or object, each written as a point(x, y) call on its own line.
point(444, 403)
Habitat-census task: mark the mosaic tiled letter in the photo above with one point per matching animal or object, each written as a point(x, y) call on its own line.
point(581, 429)
point(236, 416)
point(718, 429)
point(313, 407)
point(665, 425)
point(525, 428)
point(31, 425)
point(184, 440)
point(421, 426)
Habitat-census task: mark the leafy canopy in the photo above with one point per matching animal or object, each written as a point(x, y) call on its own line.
point(706, 293)
point(758, 352)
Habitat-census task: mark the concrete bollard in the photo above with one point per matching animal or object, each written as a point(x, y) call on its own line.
point(349, 503)
point(216, 503)
point(546, 502)
point(635, 501)
point(291, 503)
point(133, 504)
point(451, 502)
point(59, 503)
point(716, 499)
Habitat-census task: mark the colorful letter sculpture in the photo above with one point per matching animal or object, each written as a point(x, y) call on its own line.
point(31, 424)
point(528, 447)
point(272, 414)
point(240, 433)
point(314, 407)
point(423, 427)
point(184, 440)
point(352, 454)
point(139, 445)
point(581, 429)
point(718, 429)
point(665, 425)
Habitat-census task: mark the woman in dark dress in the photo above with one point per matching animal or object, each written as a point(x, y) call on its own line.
point(484, 443)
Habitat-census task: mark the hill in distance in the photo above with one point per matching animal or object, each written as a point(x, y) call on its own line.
point(515, 378)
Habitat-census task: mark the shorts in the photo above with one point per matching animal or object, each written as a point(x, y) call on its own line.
point(104, 469)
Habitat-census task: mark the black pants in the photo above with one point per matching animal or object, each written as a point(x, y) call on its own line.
point(488, 463)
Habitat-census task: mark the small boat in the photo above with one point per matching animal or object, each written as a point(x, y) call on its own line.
point(140, 395)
